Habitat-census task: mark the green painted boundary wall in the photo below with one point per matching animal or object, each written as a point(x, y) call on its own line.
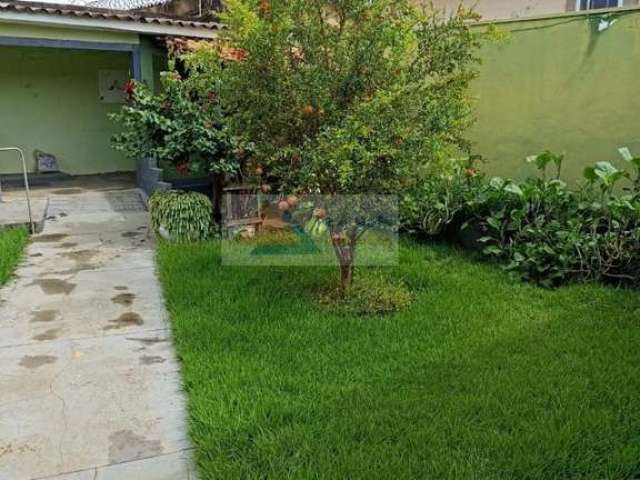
point(49, 98)
point(557, 83)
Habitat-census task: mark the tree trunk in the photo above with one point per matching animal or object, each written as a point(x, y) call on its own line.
point(346, 277)
point(345, 249)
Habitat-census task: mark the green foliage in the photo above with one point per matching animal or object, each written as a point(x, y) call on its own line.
point(364, 94)
point(529, 225)
point(540, 228)
point(605, 176)
point(440, 197)
point(633, 161)
point(546, 158)
point(372, 294)
point(349, 97)
point(12, 244)
point(184, 124)
point(181, 216)
point(550, 234)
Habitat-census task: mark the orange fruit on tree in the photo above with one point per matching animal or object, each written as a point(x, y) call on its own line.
point(264, 7)
point(320, 213)
point(292, 200)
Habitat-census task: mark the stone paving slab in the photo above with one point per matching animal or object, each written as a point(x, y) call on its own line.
point(164, 467)
point(83, 224)
point(89, 384)
point(69, 260)
point(72, 252)
point(83, 304)
point(88, 402)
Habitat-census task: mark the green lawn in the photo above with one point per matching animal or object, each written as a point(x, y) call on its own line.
point(482, 378)
point(12, 243)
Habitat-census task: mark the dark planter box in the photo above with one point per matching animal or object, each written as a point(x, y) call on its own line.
point(149, 176)
point(196, 184)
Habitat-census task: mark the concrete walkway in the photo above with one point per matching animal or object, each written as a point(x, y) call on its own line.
point(89, 385)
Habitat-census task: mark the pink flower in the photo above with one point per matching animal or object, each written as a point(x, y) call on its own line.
point(182, 168)
point(129, 88)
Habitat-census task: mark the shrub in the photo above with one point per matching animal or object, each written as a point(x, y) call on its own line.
point(540, 228)
point(440, 198)
point(530, 225)
point(181, 126)
point(550, 234)
point(345, 98)
point(181, 216)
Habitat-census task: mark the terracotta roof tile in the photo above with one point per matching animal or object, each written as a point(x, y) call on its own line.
point(102, 13)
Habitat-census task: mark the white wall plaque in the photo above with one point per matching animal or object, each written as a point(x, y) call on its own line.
point(111, 85)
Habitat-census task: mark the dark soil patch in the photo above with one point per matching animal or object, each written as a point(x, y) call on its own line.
point(68, 245)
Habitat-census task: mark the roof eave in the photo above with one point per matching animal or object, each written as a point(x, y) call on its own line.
point(149, 27)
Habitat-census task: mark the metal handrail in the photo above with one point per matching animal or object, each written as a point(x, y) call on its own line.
point(26, 182)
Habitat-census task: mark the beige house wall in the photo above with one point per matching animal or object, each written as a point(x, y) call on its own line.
point(505, 9)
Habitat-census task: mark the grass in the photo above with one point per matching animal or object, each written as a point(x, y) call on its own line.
point(12, 243)
point(481, 378)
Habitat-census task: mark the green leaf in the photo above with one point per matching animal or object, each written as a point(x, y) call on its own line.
point(518, 257)
point(492, 250)
point(625, 153)
point(497, 183)
point(590, 174)
point(513, 188)
point(495, 223)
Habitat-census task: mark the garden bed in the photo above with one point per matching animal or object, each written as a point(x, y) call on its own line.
point(481, 377)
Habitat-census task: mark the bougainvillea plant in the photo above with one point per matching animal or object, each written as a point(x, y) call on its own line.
point(183, 124)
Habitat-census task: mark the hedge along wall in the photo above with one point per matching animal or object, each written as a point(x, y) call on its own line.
point(557, 83)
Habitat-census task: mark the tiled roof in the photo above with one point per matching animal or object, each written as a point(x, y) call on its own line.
point(102, 13)
point(125, 4)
